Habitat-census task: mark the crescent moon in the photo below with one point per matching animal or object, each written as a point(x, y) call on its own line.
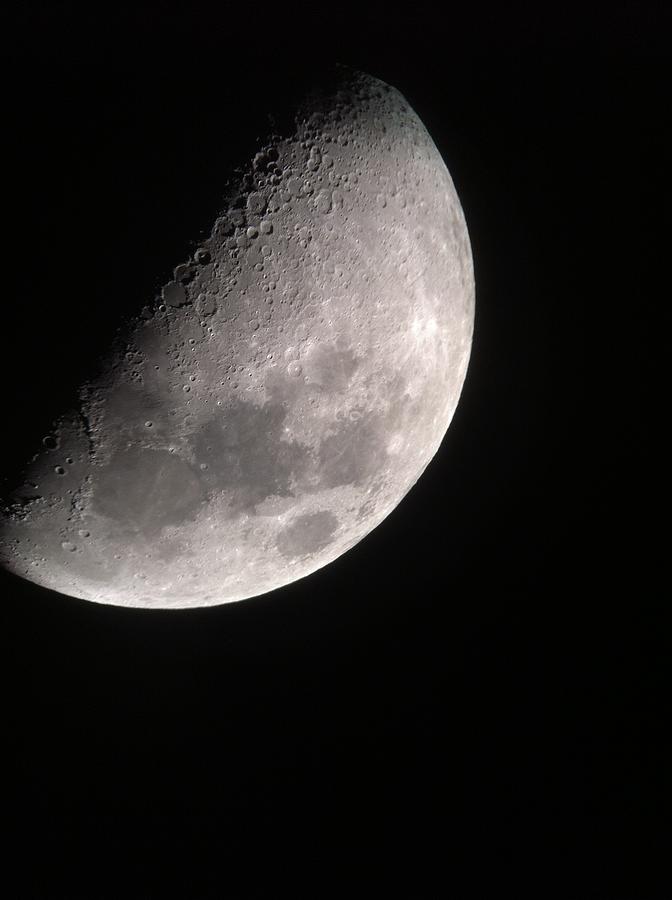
point(286, 389)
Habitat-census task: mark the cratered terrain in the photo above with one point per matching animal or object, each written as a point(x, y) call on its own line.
point(280, 396)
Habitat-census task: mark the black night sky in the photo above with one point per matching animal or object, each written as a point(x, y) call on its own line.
point(473, 701)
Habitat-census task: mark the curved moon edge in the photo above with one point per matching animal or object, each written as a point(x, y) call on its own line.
point(286, 389)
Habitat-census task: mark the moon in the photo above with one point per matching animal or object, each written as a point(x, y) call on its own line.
point(283, 392)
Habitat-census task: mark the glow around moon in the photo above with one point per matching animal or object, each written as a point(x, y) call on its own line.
point(283, 392)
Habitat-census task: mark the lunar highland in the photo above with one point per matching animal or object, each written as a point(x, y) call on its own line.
point(282, 393)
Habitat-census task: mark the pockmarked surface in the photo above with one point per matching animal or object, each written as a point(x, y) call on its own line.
point(283, 392)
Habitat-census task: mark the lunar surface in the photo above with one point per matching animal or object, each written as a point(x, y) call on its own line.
point(278, 398)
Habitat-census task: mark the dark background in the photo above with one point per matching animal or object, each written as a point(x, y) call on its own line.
point(473, 701)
